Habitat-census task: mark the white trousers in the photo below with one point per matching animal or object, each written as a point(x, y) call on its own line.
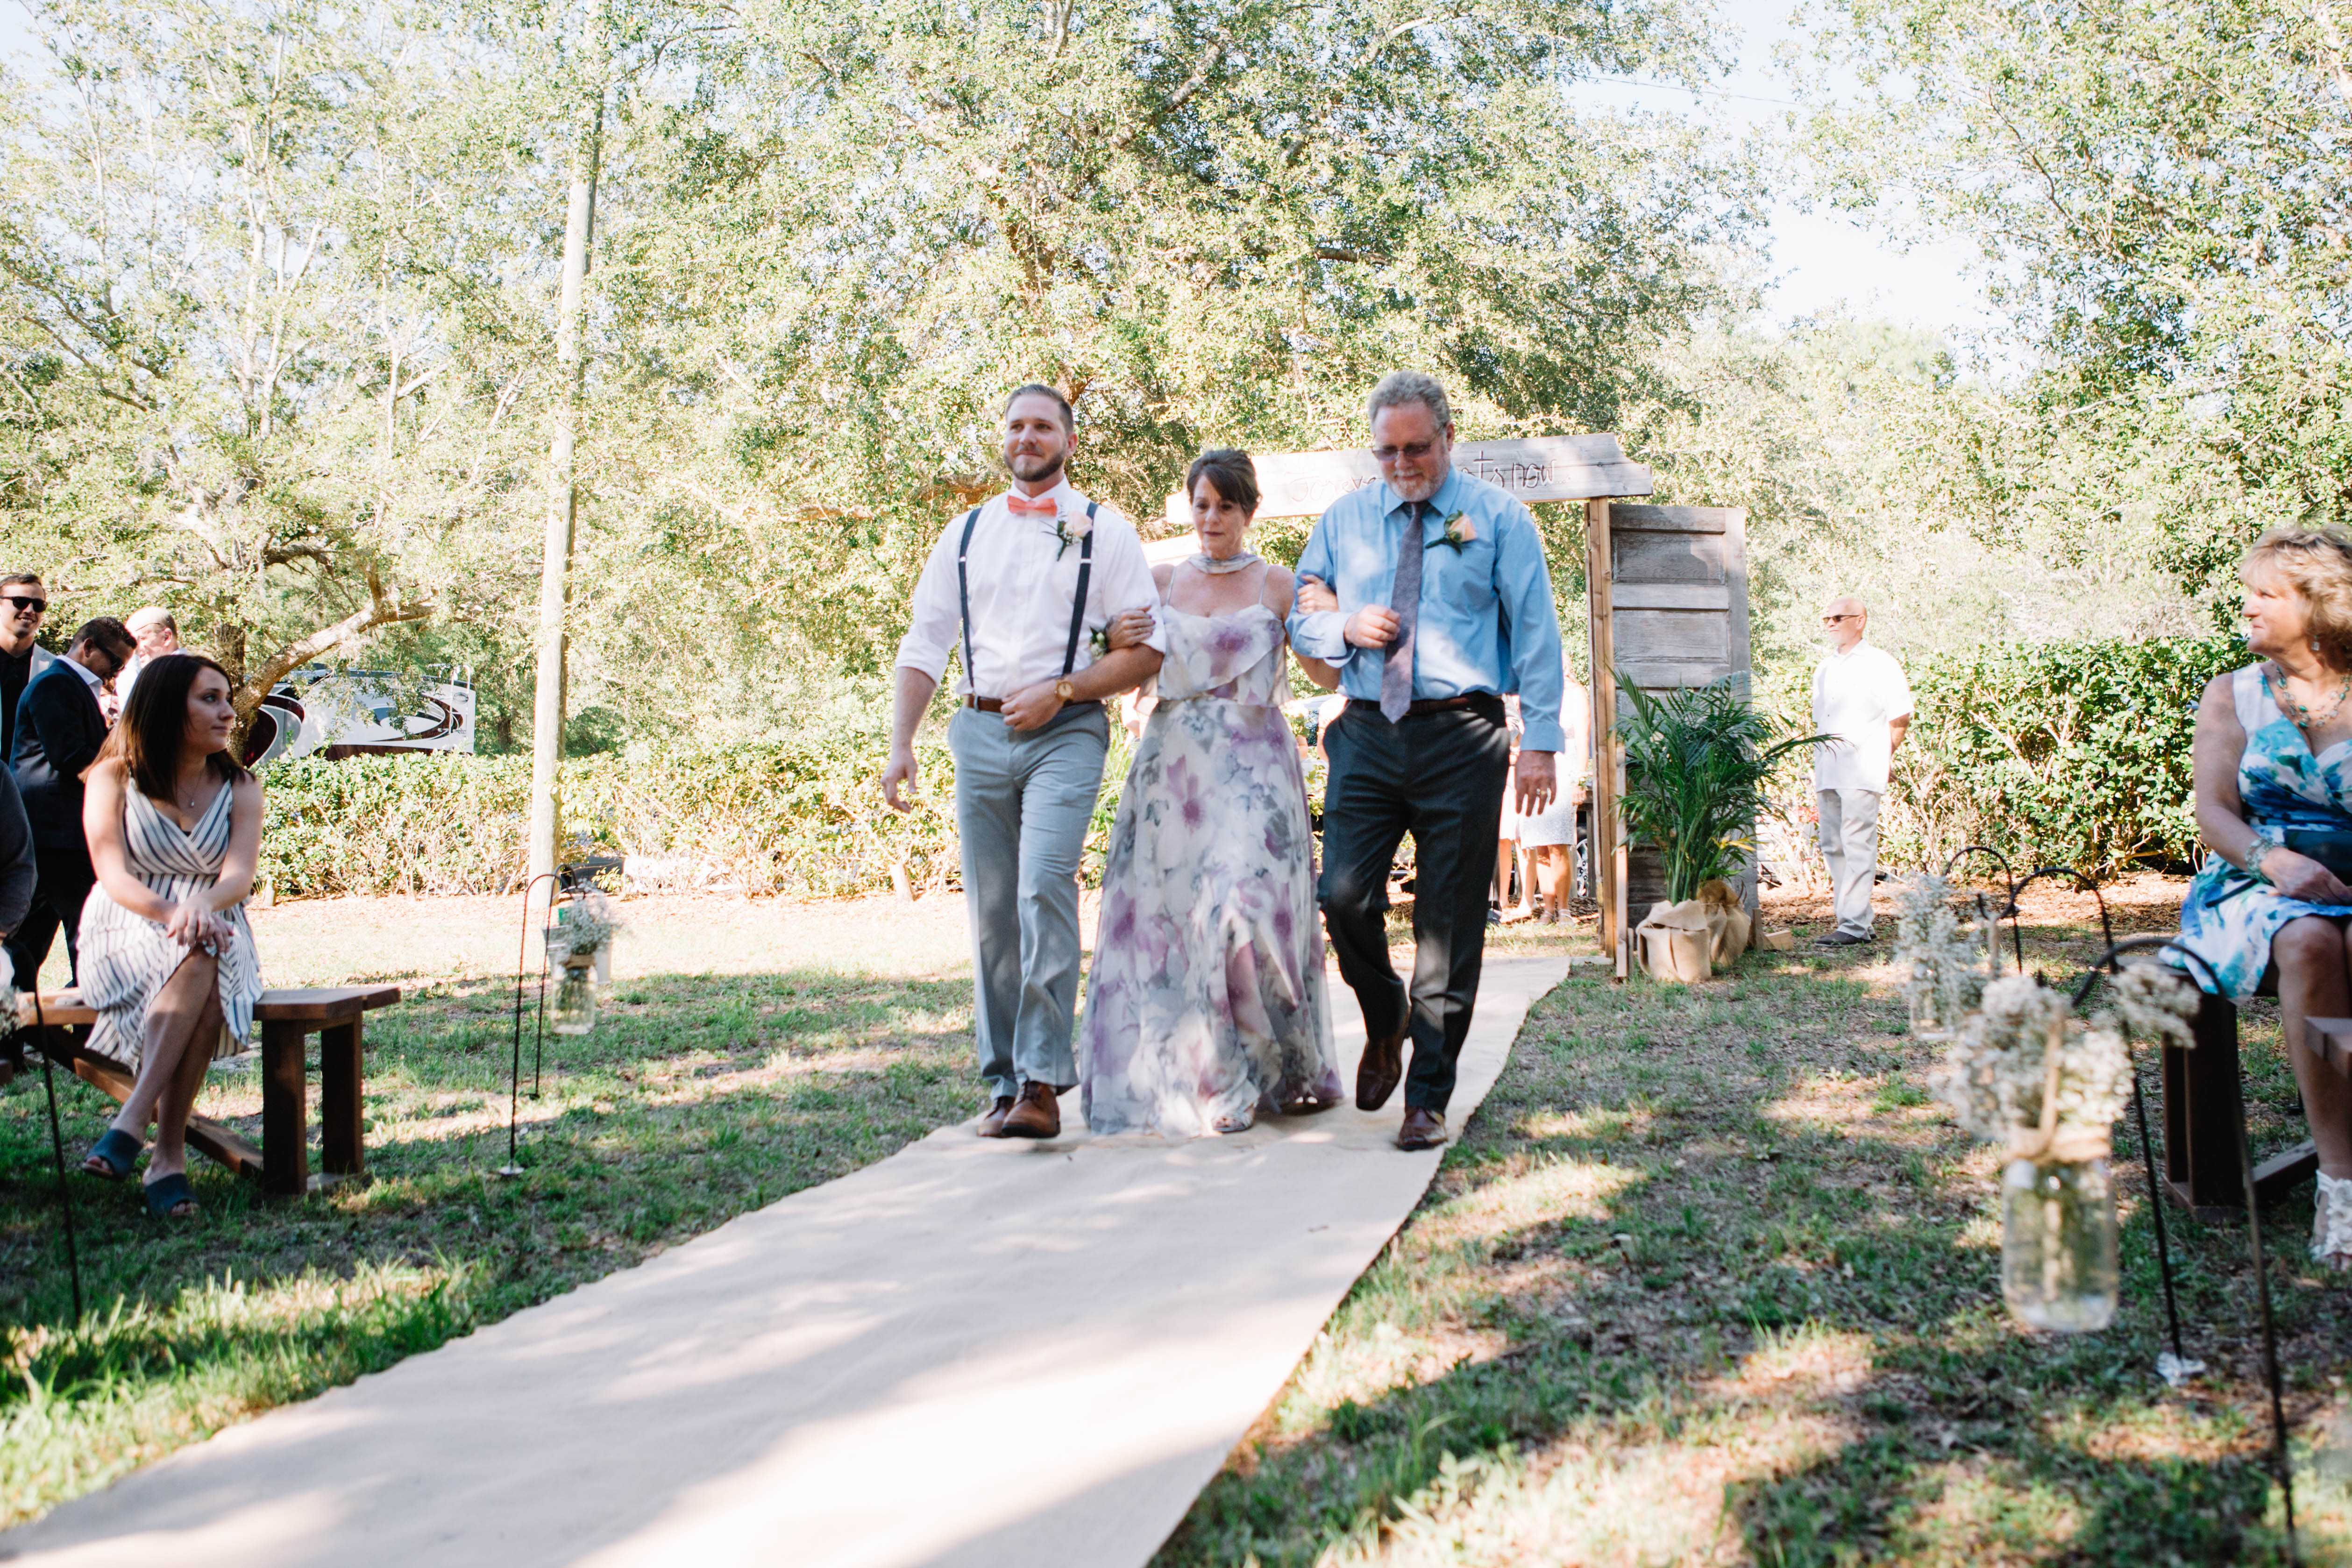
point(1850, 846)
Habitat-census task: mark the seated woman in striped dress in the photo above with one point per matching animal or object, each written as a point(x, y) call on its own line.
point(174, 827)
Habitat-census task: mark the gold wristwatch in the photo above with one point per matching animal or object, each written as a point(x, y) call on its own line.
point(1064, 690)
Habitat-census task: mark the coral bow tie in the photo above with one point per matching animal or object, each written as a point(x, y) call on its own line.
point(1021, 506)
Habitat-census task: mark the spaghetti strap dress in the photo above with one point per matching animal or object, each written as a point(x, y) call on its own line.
point(1206, 1000)
point(2228, 919)
point(126, 958)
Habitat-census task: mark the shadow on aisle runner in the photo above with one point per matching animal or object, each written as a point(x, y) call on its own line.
point(972, 1352)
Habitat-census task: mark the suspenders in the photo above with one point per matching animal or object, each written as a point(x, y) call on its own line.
point(1077, 611)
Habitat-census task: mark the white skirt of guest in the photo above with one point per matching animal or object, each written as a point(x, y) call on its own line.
point(1555, 824)
point(126, 958)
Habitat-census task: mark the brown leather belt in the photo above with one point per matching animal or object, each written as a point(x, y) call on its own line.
point(996, 704)
point(1432, 704)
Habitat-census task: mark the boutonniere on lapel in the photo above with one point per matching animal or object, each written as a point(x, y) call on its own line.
point(1070, 530)
point(1459, 531)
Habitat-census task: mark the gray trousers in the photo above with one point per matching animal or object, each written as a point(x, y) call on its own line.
point(1850, 846)
point(1023, 803)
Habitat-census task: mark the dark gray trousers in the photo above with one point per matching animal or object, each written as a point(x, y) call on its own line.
point(1439, 776)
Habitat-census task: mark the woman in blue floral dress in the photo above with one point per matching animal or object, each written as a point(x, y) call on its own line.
point(2274, 755)
point(1206, 1002)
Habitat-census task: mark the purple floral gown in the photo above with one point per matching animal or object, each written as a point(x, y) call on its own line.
point(1207, 993)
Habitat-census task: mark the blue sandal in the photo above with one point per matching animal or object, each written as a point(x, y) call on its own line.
point(165, 1193)
point(111, 1157)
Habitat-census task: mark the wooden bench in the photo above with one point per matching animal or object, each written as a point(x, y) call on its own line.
point(2202, 1111)
point(337, 1015)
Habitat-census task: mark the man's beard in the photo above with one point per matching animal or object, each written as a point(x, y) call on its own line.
point(1426, 488)
point(1030, 469)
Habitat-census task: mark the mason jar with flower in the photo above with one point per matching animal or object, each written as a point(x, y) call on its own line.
point(582, 932)
point(2024, 1072)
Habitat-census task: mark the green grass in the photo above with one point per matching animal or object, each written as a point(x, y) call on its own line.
point(1708, 1280)
point(695, 1100)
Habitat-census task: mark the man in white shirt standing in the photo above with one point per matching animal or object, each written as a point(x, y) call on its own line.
point(1860, 698)
point(157, 634)
point(1025, 581)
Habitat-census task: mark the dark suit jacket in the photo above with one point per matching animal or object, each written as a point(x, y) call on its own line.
point(59, 731)
point(17, 871)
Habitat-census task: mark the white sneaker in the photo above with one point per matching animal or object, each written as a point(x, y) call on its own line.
point(2331, 1224)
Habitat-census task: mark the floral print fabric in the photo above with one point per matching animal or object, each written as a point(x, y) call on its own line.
point(2229, 918)
point(1207, 994)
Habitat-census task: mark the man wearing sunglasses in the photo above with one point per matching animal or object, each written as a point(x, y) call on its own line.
point(23, 604)
point(1428, 593)
point(1861, 699)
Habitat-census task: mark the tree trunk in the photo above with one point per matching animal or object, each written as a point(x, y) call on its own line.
point(563, 504)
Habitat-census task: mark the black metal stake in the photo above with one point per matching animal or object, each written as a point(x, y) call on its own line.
point(58, 1146)
point(538, 1028)
point(513, 1167)
point(2156, 1212)
point(2270, 1329)
point(2253, 1229)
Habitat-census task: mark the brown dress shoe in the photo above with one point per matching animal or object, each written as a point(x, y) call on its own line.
point(992, 1121)
point(1381, 1070)
point(1421, 1129)
point(1034, 1116)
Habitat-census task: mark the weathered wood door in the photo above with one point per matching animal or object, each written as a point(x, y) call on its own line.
point(1668, 603)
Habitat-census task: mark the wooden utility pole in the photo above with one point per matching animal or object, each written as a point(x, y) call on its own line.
point(563, 506)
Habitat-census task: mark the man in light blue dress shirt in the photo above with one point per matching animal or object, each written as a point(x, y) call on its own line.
point(1427, 637)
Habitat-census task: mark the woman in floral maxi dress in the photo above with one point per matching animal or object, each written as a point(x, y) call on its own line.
point(1206, 1002)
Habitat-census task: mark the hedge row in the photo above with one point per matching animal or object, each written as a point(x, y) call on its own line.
point(805, 819)
point(2072, 754)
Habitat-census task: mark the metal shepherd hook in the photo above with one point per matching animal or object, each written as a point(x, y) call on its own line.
point(2278, 1452)
point(513, 1167)
point(57, 1144)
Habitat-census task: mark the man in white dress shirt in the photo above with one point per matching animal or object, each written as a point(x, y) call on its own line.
point(1025, 581)
point(157, 634)
point(1860, 698)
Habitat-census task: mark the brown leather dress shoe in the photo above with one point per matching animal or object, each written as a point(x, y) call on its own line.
point(1034, 1114)
point(992, 1121)
point(1379, 1073)
point(1421, 1129)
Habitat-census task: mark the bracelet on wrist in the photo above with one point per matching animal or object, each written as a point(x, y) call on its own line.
point(2264, 841)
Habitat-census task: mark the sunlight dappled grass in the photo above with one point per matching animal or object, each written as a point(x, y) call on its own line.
point(696, 1099)
point(1706, 1279)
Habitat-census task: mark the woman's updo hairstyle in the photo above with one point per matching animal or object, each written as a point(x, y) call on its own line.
point(1233, 473)
point(2318, 562)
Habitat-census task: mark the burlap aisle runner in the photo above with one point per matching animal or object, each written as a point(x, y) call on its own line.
point(971, 1352)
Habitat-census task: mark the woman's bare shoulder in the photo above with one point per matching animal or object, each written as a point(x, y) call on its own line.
point(1163, 574)
point(2221, 690)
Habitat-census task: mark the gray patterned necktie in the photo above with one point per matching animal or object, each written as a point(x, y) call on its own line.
point(1396, 674)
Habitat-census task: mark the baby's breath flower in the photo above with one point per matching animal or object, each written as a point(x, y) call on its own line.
point(1937, 953)
point(1997, 1070)
point(584, 925)
point(2155, 1002)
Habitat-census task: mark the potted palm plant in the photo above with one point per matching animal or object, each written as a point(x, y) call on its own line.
point(1697, 763)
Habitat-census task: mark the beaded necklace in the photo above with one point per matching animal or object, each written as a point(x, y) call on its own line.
point(2304, 718)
